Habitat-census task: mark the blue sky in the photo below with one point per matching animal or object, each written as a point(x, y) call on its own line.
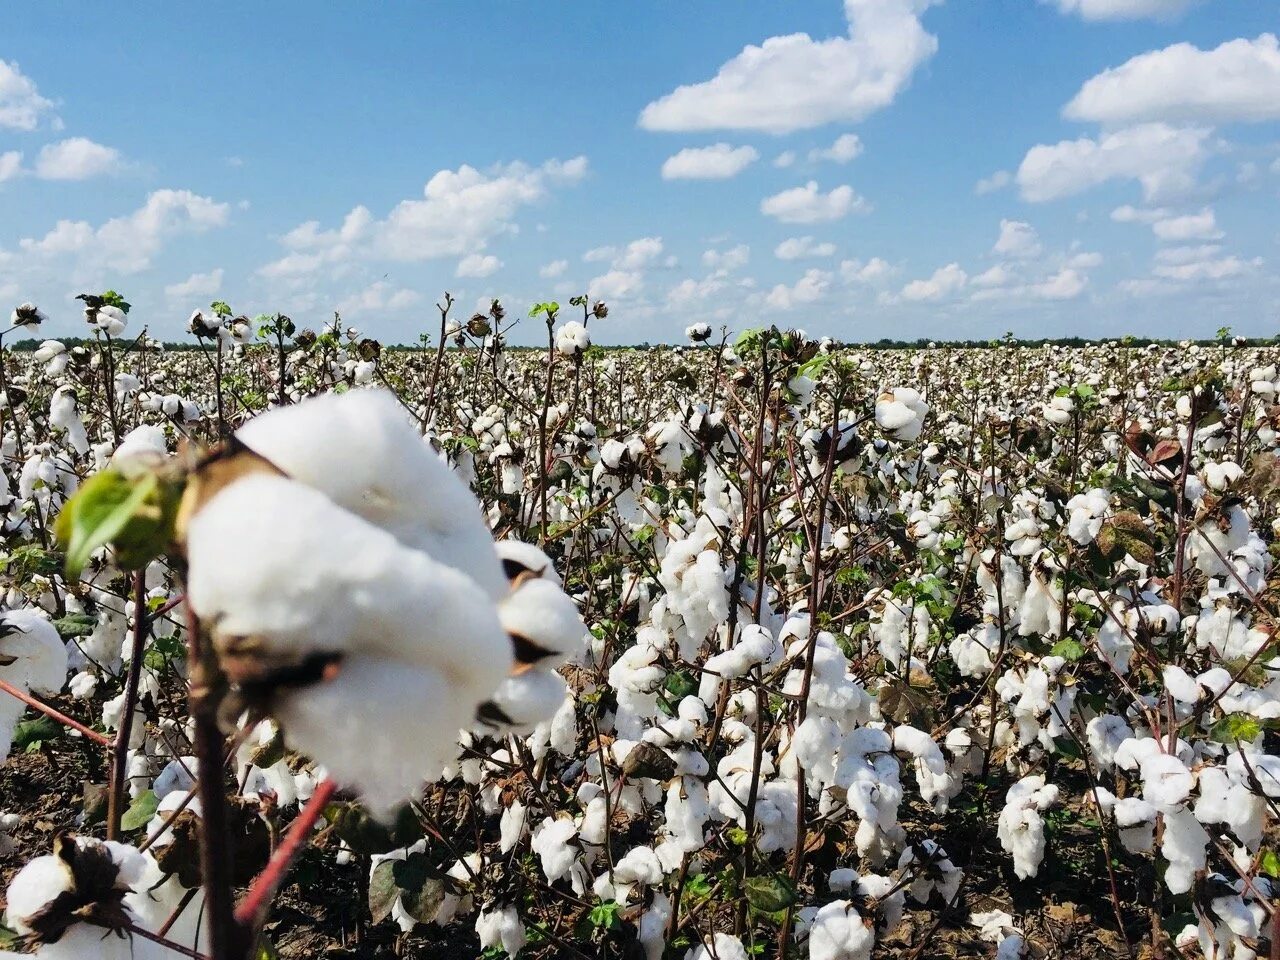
point(956, 170)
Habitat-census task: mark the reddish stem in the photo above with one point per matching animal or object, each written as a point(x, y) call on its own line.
point(48, 711)
point(256, 902)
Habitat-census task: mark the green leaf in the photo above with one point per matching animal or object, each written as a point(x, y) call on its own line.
point(383, 891)
point(140, 811)
point(737, 836)
point(265, 949)
point(1270, 864)
point(1068, 649)
point(133, 514)
point(604, 916)
point(769, 894)
point(421, 886)
point(30, 734)
point(1235, 726)
point(75, 625)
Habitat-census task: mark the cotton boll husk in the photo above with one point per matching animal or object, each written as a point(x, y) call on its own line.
point(375, 464)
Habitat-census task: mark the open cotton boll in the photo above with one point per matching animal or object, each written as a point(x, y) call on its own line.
point(551, 845)
point(418, 644)
point(34, 659)
point(64, 416)
point(360, 450)
point(1021, 828)
point(501, 927)
point(837, 932)
point(722, 947)
point(900, 412)
point(572, 339)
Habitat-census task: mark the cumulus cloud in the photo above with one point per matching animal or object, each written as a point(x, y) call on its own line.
point(808, 204)
point(76, 158)
point(1164, 159)
point(1205, 269)
point(127, 244)
point(553, 269)
point(1237, 81)
point(997, 181)
point(727, 260)
point(478, 265)
point(10, 165)
point(1017, 239)
point(874, 270)
point(616, 285)
point(459, 213)
point(21, 106)
point(787, 158)
point(803, 248)
point(1132, 214)
point(197, 285)
point(1191, 226)
point(720, 161)
point(944, 282)
point(794, 82)
point(810, 288)
point(378, 296)
point(847, 147)
point(1125, 9)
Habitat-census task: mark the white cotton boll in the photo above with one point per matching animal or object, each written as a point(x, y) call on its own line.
point(501, 927)
point(1166, 781)
point(572, 339)
point(40, 663)
point(64, 416)
point(418, 639)
point(722, 947)
point(142, 442)
point(594, 827)
point(651, 929)
point(551, 844)
point(1135, 820)
point(526, 699)
point(512, 826)
point(540, 612)
point(34, 887)
point(360, 450)
point(177, 776)
point(1021, 828)
point(1183, 845)
point(900, 412)
point(1180, 685)
point(687, 810)
point(838, 932)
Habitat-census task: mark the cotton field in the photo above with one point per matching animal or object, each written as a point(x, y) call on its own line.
point(763, 646)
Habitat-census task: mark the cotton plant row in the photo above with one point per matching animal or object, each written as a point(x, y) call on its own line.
point(758, 645)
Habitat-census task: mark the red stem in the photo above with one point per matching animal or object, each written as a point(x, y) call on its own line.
point(48, 711)
point(256, 902)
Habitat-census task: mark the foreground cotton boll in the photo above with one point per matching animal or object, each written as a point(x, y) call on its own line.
point(721, 947)
point(900, 413)
point(838, 932)
point(34, 659)
point(360, 450)
point(1021, 828)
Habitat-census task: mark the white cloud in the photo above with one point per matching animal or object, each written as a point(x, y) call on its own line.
point(460, 212)
point(997, 276)
point(1085, 260)
point(1192, 226)
point(639, 254)
point(1066, 284)
point(77, 158)
point(380, 295)
point(719, 161)
point(21, 105)
point(478, 265)
point(10, 165)
point(855, 271)
point(794, 82)
point(1237, 81)
point(810, 288)
point(727, 260)
point(803, 248)
point(1205, 269)
point(788, 157)
point(1188, 254)
point(846, 148)
point(1131, 214)
point(1125, 9)
point(1164, 159)
point(600, 254)
point(1017, 239)
point(808, 204)
point(945, 281)
point(196, 285)
point(997, 181)
point(616, 285)
point(127, 244)
point(553, 269)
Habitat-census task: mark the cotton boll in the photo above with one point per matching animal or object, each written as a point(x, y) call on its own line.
point(501, 927)
point(1183, 845)
point(838, 932)
point(512, 826)
point(900, 413)
point(572, 339)
point(1021, 829)
point(551, 845)
point(359, 450)
point(723, 947)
